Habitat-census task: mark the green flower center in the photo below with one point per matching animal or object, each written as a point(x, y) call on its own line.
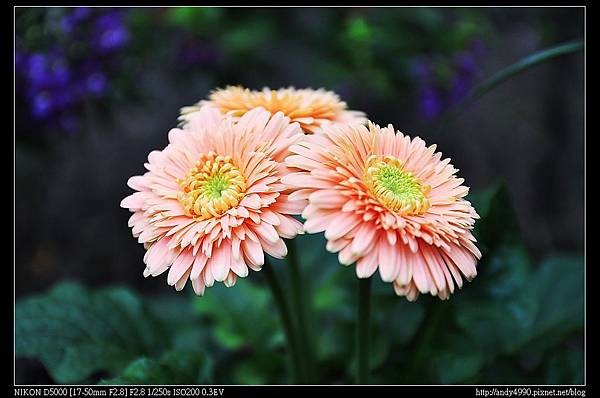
point(214, 186)
point(394, 187)
point(211, 188)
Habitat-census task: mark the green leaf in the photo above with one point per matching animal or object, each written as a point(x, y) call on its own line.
point(565, 366)
point(244, 323)
point(247, 37)
point(503, 273)
point(394, 320)
point(549, 300)
point(247, 373)
point(541, 312)
point(495, 327)
point(399, 318)
point(195, 19)
point(177, 313)
point(498, 223)
point(558, 286)
point(358, 30)
point(510, 316)
point(265, 367)
point(175, 367)
point(456, 361)
point(242, 316)
point(75, 332)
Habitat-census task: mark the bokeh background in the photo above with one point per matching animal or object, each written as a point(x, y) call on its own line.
point(98, 88)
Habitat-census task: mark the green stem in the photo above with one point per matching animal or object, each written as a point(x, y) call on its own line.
point(508, 72)
point(422, 340)
point(284, 312)
point(362, 330)
point(298, 303)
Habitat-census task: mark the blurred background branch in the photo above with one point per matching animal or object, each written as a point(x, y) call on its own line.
point(507, 73)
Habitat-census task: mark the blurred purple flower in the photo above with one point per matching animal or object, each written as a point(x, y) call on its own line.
point(96, 83)
point(45, 71)
point(41, 106)
point(20, 59)
point(81, 13)
point(466, 63)
point(433, 100)
point(67, 23)
point(430, 103)
point(91, 78)
point(460, 87)
point(59, 72)
point(78, 14)
point(466, 72)
point(63, 99)
point(37, 68)
point(110, 31)
point(54, 82)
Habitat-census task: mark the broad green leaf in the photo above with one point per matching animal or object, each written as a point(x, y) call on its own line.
point(245, 323)
point(75, 332)
point(558, 286)
point(456, 360)
point(174, 367)
point(331, 297)
point(259, 367)
point(498, 223)
point(512, 314)
point(241, 316)
point(565, 366)
point(504, 370)
point(249, 374)
point(496, 327)
point(503, 272)
point(535, 318)
point(397, 316)
point(177, 316)
point(195, 19)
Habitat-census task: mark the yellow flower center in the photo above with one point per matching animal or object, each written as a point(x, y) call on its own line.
point(212, 187)
point(394, 187)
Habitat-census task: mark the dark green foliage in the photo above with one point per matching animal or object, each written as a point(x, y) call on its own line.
point(175, 367)
point(245, 324)
point(517, 322)
point(507, 321)
point(76, 332)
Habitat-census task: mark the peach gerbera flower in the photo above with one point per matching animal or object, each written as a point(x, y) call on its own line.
point(310, 108)
point(212, 201)
point(387, 202)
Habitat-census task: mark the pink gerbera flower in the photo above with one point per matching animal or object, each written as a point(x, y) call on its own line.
point(310, 108)
point(387, 202)
point(212, 201)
